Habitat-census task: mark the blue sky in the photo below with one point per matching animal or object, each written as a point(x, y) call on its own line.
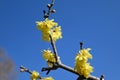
point(95, 22)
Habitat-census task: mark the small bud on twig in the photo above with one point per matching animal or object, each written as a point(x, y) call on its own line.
point(102, 77)
point(22, 70)
point(49, 5)
point(81, 45)
point(53, 11)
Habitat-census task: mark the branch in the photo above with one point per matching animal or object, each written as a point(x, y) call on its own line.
point(48, 69)
point(54, 48)
point(23, 69)
point(50, 10)
point(60, 65)
point(81, 45)
point(53, 1)
point(73, 71)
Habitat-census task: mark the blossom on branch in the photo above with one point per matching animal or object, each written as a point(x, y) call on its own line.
point(49, 57)
point(81, 65)
point(35, 75)
point(47, 78)
point(49, 28)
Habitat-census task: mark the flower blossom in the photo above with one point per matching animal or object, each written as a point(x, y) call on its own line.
point(81, 65)
point(47, 78)
point(35, 75)
point(49, 57)
point(49, 28)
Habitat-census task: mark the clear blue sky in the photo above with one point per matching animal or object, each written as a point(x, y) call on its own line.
point(95, 22)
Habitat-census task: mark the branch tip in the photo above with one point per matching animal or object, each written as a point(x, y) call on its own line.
point(81, 45)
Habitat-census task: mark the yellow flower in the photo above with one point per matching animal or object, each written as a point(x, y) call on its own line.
point(47, 78)
point(85, 52)
point(46, 24)
point(35, 75)
point(56, 33)
point(49, 56)
point(81, 65)
point(49, 27)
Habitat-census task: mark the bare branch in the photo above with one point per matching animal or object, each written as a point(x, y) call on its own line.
point(53, 1)
point(73, 71)
point(48, 69)
point(54, 49)
point(23, 69)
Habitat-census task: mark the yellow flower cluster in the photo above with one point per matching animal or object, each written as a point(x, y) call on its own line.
point(47, 78)
point(49, 57)
point(81, 65)
point(49, 27)
point(35, 75)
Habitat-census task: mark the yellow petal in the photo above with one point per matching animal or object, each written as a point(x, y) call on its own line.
point(49, 27)
point(48, 78)
point(35, 75)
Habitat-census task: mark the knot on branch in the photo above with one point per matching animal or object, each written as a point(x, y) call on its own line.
point(48, 69)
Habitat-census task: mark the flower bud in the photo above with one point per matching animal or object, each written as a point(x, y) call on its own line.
point(49, 5)
point(22, 70)
point(53, 11)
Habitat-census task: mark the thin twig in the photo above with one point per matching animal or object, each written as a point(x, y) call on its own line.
point(53, 1)
point(81, 45)
point(23, 69)
point(50, 10)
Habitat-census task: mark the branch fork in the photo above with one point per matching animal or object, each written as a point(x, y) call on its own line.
point(58, 64)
